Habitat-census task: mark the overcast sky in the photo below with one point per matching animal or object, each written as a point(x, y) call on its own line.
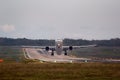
point(57, 19)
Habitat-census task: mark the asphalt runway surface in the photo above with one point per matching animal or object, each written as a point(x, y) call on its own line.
point(45, 56)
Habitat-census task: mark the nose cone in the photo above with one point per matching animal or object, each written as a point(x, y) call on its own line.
point(58, 45)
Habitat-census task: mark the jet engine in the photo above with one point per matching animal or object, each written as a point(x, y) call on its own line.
point(70, 48)
point(47, 48)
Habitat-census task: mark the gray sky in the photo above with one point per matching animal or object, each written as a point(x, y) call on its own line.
point(57, 19)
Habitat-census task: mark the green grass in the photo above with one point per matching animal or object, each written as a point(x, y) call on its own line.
point(10, 53)
point(34, 70)
point(98, 52)
point(59, 71)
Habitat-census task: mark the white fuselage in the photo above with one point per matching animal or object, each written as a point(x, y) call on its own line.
point(59, 44)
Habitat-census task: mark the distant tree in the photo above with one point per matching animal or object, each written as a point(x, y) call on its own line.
point(67, 42)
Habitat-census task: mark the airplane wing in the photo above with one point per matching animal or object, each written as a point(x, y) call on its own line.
point(47, 48)
point(59, 48)
point(76, 47)
point(42, 47)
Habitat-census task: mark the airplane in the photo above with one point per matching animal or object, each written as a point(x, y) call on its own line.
point(59, 47)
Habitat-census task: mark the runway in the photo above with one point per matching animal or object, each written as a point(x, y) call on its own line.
point(44, 56)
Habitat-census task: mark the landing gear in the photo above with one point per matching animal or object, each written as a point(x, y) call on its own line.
point(65, 52)
point(52, 54)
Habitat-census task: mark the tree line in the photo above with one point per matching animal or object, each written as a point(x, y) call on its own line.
point(78, 42)
point(66, 42)
point(25, 42)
